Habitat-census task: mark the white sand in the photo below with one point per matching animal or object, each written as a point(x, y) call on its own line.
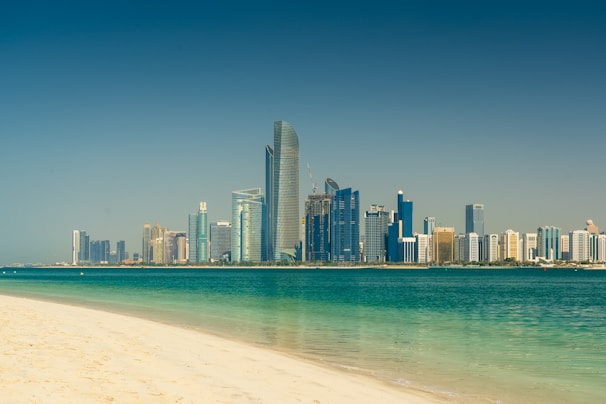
point(53, 353)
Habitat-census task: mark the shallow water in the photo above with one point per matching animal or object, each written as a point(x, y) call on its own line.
point(511, 335)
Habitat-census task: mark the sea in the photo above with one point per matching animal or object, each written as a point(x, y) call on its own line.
point(511, 335)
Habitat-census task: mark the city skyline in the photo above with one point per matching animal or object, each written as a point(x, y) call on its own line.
point(113, 116)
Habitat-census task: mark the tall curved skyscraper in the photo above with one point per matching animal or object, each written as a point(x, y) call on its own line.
point(284, 204)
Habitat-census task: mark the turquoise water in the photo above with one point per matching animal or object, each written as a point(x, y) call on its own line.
point(511, 335)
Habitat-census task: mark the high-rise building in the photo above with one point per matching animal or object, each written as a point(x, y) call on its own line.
point(601, 248)
point(548, 242)
point(345, 226)
point(423, 248)
point(443, 244)
point(375, 235)
point(174, 247)
point(121, 250)
point(474, 219)
point(472, 248)
point(491, 247)
point(429, 223)
point(268, 224)
point(220, 240)
point(394, 233)
point(192, 234)
point(330, 186)
point(145, 242)
point(510, 245)
point(75, 246)
point(579, 245)
point(282, 185)
point(247, 238)
point(84, 249)
point(529, 247)
point(405, 214)
point(317, 227)
point(198, 235)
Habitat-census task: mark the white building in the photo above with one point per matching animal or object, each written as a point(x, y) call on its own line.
point(472, 247)
point(529, 247)
point(491, 247)
point(579, 245)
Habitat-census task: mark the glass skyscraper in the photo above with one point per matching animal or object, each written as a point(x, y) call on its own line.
point(345, 226)
point(317, 227)
point(548, 242)
point(198, 235)
point(282, 187)
point(247, 238)
point(375, 221)
point(220, 240)
point(405, 214)
point(474, 219)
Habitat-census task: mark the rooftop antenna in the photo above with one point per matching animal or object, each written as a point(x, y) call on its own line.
point(314, 186)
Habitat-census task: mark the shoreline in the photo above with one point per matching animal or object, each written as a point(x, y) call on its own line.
point(80, 354)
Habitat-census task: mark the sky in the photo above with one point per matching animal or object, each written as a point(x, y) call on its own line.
point(117, 113)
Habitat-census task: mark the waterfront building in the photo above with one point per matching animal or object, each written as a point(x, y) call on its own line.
point(429, 223)
point(121, 250)
point(405, 214)
point(282, 181)
point(510, 245)
point(474, 219)
point(247, 238)
point(316, 243)
point(345, 226)
point(423, 248)
point(375, 235)
point(174, 247)
point(565, 247)
point(459, 247)
point(84, 248)
point(198, 235)
point(145, 242)
point(268, 224)
point(491, 247)
point(394, 233)
point(529, 247)
point(548, 243)
point(407, 246)
point(472, 247)
point(579, 245)
point(220, 240)
point(75, 246)
point(601, 248)
point(443, 244)
point(330, 186)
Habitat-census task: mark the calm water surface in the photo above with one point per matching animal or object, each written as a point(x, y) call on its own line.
point(514, 335)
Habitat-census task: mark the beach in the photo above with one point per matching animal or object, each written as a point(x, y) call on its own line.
point(52, 352)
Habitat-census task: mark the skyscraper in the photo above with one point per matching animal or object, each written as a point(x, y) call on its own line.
point(145, 242)
point(75, 246)
point(510, 245)
point(247, 238)
point(330, 186)
point(345, 226)
point(375, 222)
point(405, 214)
point(282, 186)
point(192, 235)
point(317, 227)
point(548, 243)
point(220, 240)
point(121, 250)
point(428, 225)
point(579, 245)
point(474, 219)
point(443, 241)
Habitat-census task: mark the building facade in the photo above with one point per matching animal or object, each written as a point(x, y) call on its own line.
point(317, 227)
point(220, 241)
point(345, 226)
point(443, 244)
point(375, 234)
point(247, 238)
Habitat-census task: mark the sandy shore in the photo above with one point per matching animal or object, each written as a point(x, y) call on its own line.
point(53, 353)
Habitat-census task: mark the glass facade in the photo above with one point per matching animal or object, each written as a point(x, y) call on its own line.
point(284, 217)
point(317, 227)
point(247, 241)
point(345, 226)
point(375, 222)
point(474, 219)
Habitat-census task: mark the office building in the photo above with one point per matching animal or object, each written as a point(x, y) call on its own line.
point(474, 219)
point(282, 187)
point(84, 248)
point(423, 248)
point(220, 241)
point(548, 243)
point(317, 227)
point(247, 238)
point(375, 235)
point(429, 223)
point(443, 244)
point(529, 247)
point(330, 186)
point(145, 242)
point(394, 233)
point(121, 250)
point(510, 246)
point(407, 248)
point(75, 246)
point(198, 235)
point(491, 247)
point(472, 247)
point(345, 226)
point(579, 246)
point(405, 214)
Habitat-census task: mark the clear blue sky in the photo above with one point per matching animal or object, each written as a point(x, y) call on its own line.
point(117, 113)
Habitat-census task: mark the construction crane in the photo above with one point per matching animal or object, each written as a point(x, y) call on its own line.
point(314, 186)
